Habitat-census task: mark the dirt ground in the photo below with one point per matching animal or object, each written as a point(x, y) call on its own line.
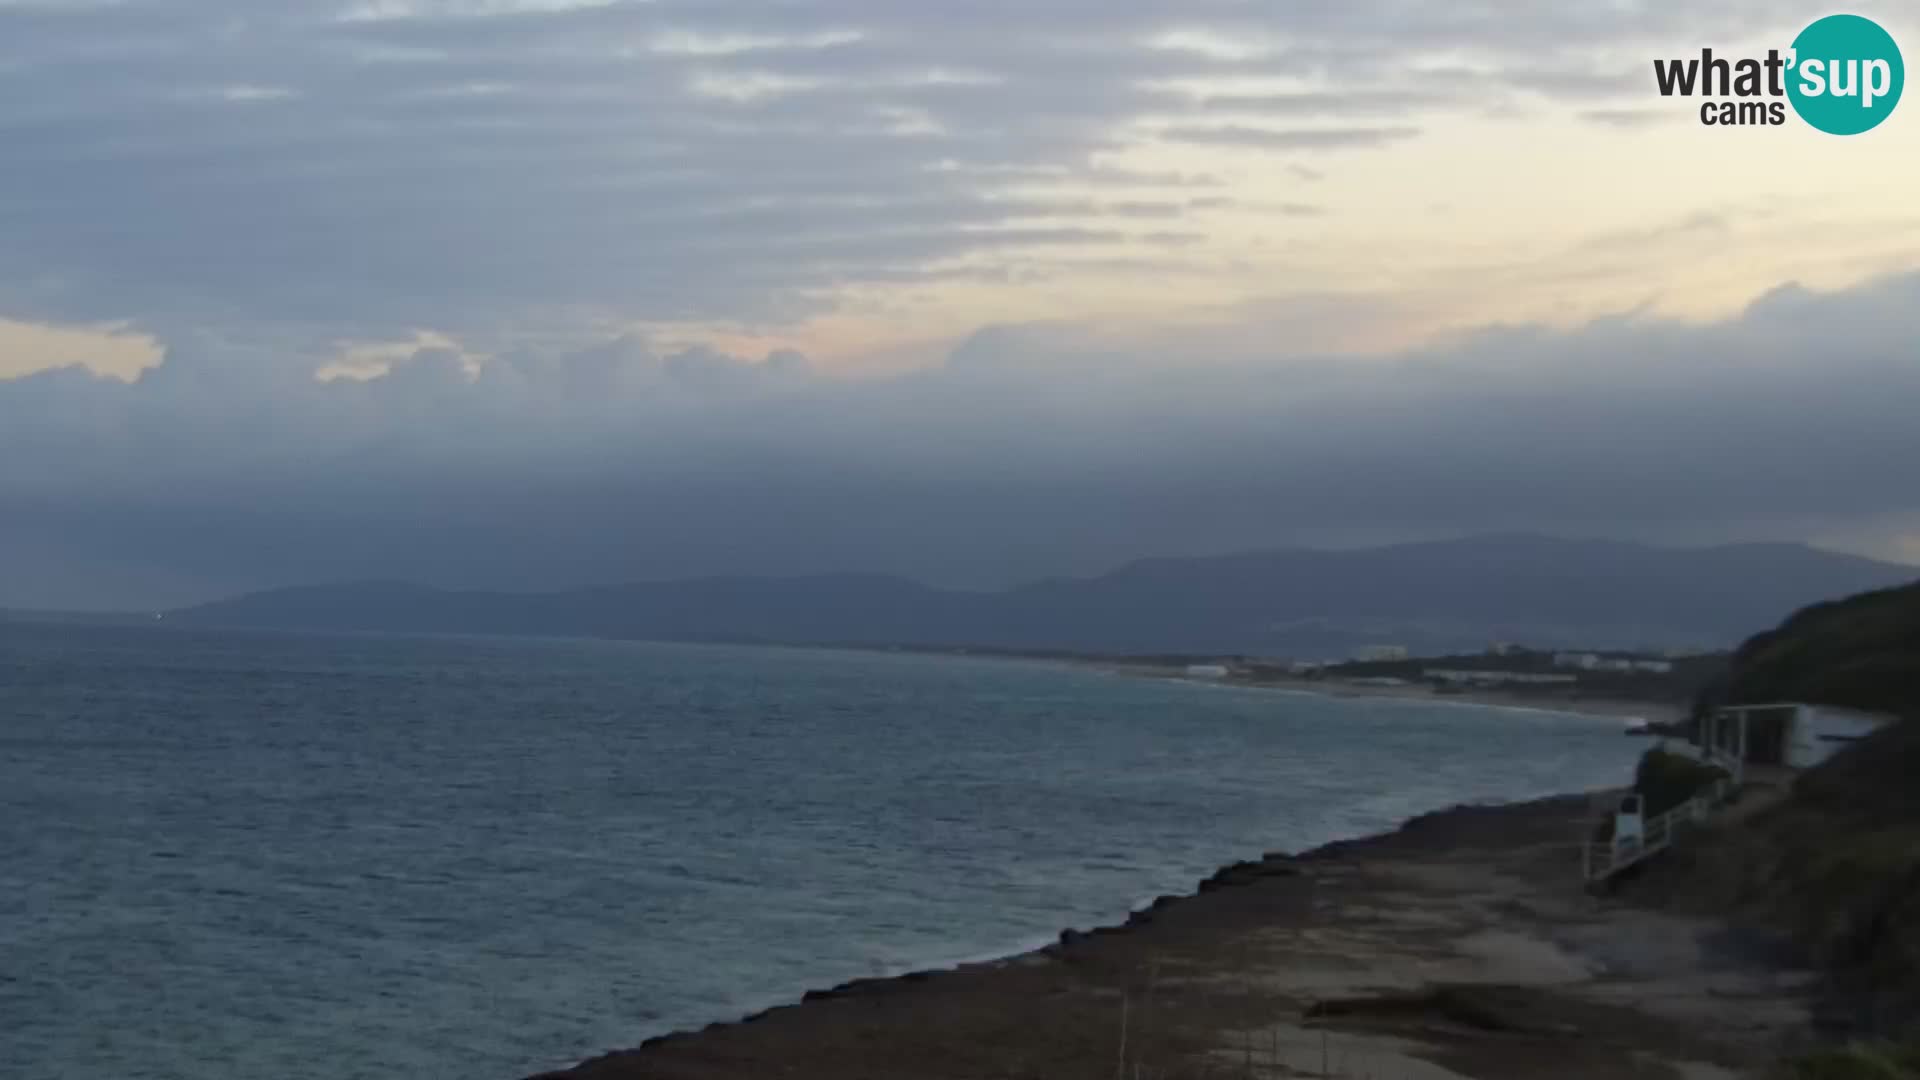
point(1462, 945)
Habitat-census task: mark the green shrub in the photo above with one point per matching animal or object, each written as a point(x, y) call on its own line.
point(1863, 651)
point(1665, 780)
point(1857, 1062)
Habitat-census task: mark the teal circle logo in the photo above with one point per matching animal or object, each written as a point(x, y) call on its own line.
point(1847, 75)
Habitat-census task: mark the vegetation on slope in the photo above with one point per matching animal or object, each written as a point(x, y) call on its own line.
point(1665, 780)
point(1835, 868)
point(1833, 873)
point(1857, 1061)
point(1863, 652)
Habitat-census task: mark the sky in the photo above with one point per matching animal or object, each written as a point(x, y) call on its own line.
point(533, 293)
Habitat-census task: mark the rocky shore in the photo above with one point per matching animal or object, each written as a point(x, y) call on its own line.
point(1461, 945)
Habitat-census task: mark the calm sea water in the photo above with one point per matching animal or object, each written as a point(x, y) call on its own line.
point(228, 855)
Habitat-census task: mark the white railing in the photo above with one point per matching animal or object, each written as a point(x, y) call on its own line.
point(1604, 859)
point(1727, 760)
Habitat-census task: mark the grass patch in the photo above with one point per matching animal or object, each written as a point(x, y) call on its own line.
point(1858, 1061)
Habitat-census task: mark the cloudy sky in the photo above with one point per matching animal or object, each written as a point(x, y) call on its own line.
point(525, 293)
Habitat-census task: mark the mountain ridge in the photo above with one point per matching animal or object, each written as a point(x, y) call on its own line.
point(1436, 595)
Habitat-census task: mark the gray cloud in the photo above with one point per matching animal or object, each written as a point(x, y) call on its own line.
point(254, 181)
point(1627, 118)
point(1294, 139)
point(1372, 102)
point(344, 169)
point(1035, 449)
point(1578, 85)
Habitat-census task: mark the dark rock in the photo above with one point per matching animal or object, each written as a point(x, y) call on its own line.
point(1246, 873)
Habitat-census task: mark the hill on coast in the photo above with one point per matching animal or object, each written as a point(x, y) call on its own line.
point(1834, 869)
point(1862, 652)
point(1431, 597)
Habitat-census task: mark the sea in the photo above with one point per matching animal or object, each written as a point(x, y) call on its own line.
point(228, 855)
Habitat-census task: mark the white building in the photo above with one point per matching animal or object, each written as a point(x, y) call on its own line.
point(1795, 735)
point(1658, 667)
point(1377, 653)
point(1206, 671)
point(1585, 661)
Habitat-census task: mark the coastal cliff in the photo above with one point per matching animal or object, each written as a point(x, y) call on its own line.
point(1781, 940)
point(1461, 945)
point(1833, 866)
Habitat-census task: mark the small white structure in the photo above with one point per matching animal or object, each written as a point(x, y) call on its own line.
point(1206, 671)
point(1637, 837)
point(1658, 667)
point(1825, 730)
point(1796, 735)
point(1608, 664)
point(1305, 667)
point(1629, 822)
point(1585, 661)
point(1377, 653)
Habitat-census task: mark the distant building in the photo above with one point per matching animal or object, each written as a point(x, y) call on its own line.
point(1658, 667)
point(1503, 648)
point(1469, 677)
point(1585, 661)
point(1368, 654)
point(1305, 667)
point(1601, 663)
point(1206, 671)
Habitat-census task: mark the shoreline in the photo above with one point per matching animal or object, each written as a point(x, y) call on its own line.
point(1608, 708)
point(1035, 945)
point(1623, 708)
point(1611, 708)
point(1338, 945)
point(1603, 708)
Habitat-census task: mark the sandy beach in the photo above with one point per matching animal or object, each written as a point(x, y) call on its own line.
point(1622, 708)
point(1459, 946)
